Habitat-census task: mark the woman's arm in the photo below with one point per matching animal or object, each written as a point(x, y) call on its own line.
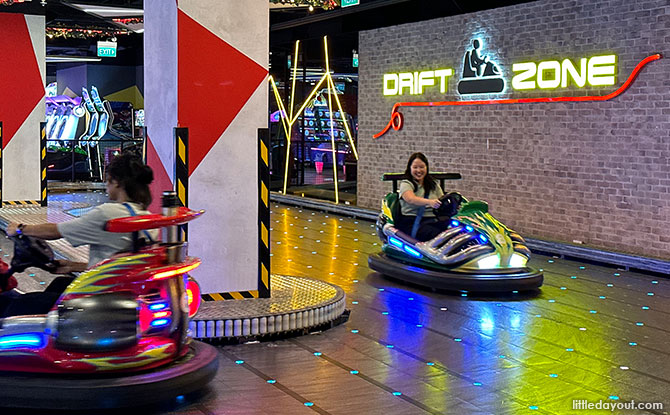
point(42, 231)
point(409, 197)
point(65, 266)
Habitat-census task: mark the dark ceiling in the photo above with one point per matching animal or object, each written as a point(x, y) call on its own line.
point(286, 25)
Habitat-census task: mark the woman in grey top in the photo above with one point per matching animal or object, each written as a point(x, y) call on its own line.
point(127, 184)
point(419, 195)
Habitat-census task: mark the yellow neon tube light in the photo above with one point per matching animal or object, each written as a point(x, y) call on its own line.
point(289, 118)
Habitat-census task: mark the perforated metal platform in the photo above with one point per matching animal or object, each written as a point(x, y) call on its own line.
point(296, 303)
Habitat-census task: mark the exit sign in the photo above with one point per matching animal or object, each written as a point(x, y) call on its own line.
point(347, 3)
point(106, 49)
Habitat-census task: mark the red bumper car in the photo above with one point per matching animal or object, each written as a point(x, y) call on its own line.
point(117, 335)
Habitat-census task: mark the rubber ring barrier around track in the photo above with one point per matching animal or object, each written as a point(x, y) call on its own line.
point(523, 280)
point(58, 391)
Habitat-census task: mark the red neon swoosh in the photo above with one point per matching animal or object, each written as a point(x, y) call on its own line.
point(609, 96)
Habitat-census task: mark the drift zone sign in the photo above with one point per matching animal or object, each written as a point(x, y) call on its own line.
point(482, 75)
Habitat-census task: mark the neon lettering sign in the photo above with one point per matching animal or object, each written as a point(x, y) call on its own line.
point(594, 71)
point(601, 71)
point(416, 82)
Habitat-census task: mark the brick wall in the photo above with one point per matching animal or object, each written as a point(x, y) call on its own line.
point(596, 172)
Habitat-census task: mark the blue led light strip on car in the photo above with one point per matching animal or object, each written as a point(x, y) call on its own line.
point(24, 340)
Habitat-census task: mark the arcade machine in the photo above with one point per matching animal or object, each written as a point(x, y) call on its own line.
point(100, 133)
point(317, 144)
point(64, 158)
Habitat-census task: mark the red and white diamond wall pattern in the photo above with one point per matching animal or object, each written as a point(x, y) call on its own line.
point(218, 85)
point(22, 51)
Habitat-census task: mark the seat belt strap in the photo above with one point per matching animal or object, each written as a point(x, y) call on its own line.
point(419, 216)
point(132, 213)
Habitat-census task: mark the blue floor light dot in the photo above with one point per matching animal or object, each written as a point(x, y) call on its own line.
point(317, 353)
point(569, 349)
point(563, 288)
point(632, 344)
point(551, 261)
point(239, 362)
point(574, 277)
point(477, 384)
point(354, 372)
point(614, 397)
point(593, 311)
point(354, 331)
point(582, 267)
point(502, 356)
point(644, 307)
point(389, 346)
point(552, 301)
point(654, 282)
point(650, 294)
point(397, 393)
point(411, 298)
point(602, 297)
point(180, 398)
point(610, 285)
point(458, 340)
point(515, 292)
point(430, 364)
point(553, 375)
point(639, 323)
point(381, 289)
point(271, 381)
point(419, 325)
point(616, 274)
point(533, 407)
point(309, 403)
point(354, 302)
point(386, 313)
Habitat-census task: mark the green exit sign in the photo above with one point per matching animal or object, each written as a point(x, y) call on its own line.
point(106, 49)
point(347, 3)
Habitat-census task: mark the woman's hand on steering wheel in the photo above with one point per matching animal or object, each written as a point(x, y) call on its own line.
point(434, 203)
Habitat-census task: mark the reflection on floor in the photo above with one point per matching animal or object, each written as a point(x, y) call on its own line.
point(592, 333)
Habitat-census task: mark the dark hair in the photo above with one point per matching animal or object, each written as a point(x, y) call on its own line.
point(133, 176)
point(428, 181)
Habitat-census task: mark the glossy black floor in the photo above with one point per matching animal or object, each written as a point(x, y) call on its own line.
point(592, 334)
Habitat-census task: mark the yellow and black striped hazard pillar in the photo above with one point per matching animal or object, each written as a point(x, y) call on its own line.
point(43, 163)
point(1, 161)
point(263, 213)
point(181, 171)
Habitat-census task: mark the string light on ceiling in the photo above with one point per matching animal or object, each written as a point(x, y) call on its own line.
point(83, 33)
point(10, 2)
point(129, 20)
point(324, 4)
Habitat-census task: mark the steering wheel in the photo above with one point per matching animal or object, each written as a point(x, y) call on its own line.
point(451, 202)
point(32, 252)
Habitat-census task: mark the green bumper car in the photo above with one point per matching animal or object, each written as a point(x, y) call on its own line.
point(476, 253)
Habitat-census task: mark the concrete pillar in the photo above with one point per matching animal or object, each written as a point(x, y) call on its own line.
point(22, 107)
point(205, 69)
